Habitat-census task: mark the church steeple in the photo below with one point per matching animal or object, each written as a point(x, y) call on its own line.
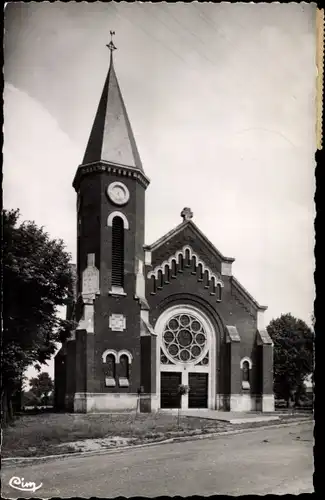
point(111, 139)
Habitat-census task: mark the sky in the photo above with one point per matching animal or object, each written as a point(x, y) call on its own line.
point(221, 99)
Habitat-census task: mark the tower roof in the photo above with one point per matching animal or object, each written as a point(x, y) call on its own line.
point(111, 138)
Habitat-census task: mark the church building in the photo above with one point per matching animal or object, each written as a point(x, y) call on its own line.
point(152, 318)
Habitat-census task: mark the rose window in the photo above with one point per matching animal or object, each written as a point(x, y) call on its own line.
point(184, 338)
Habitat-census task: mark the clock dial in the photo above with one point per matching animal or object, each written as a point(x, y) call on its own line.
point(118, 193)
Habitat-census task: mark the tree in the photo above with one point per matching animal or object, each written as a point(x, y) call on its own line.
point(41, 387)
point(37, 279)
point(293, 355)
point(29, 399)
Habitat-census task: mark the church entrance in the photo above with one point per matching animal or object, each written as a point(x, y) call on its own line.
point(169, 395)
point(185, 356)
point(198, 395)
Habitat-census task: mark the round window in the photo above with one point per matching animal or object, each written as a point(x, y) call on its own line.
point(184, 338)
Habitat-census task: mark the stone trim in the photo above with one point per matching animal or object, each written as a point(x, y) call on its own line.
point(242, 361)
point(145, 327)
point(119, 170)
point(125, 353)
point(268, 403)
point(107, 352)
point(226, 268)
point(175, 257)
point(88, 402)
point(232, 334)
point(263, 338)
point(185, 368)
point(117, 213)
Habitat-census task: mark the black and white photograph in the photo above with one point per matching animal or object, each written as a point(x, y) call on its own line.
point(158, 248)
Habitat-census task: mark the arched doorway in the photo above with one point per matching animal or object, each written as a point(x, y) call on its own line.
point(186, 354)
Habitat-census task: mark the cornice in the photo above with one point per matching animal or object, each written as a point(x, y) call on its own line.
point(112, 168)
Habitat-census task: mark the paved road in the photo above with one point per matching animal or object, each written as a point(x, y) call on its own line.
point(265, 461)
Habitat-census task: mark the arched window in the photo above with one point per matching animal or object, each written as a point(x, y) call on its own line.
point(245, 371)
point(180, 263)
point(111, 367)
point(118, 252)
point(124, 371)
point(193, 264)
point(124, 366)
point(174, 269)
point(206, 279)
point(213, 286)
point(219, 292)
point(160, 279)
point(153, 284)
point(246, 366)
point(110, 371)
point(167, 274)
point(200, 272)
point(187, 258)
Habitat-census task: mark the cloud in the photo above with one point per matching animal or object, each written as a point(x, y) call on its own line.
point(40, 161)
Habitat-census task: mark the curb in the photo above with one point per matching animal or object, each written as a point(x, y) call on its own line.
point(33, 460)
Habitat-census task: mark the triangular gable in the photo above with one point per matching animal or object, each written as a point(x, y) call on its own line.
point(206, 251)
point(197, 233)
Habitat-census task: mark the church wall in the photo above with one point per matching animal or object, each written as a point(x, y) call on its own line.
point(105, 338)
point(134, 236)
point(233, 310)
point(81, 361)
point(70, 374)
point(88, 230)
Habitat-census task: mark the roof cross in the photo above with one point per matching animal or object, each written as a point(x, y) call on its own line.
point(111, 45)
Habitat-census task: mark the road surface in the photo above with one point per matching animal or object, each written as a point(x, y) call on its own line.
point(277, 461)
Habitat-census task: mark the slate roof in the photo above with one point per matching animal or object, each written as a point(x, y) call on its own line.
point(111, 138)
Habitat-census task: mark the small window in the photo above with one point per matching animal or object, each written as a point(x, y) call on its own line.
point(153, 285)
point(111, 368)
point(124, 371)
point(193, 265)
point(206, 279)
point(245, 375)
point(213, 286)
point(167, 274)
point(110, 371)
point(187, 258)
point(174, 269)
point(219, 292)
point(124, 366)
point(180, 263)
point(160, 279)
point(200, 275)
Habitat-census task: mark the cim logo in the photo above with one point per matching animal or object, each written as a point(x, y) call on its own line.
point(19, 483)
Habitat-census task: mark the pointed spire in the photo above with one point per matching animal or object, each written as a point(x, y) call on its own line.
point(111, 138)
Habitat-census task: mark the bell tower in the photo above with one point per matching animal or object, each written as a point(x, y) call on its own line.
point(110, 184)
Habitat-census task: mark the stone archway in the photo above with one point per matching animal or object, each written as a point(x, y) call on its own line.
point(186, 354)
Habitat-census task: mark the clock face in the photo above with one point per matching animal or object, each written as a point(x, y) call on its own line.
point(118, 193)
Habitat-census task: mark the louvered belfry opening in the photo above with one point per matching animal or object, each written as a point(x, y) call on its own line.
point(118, 252)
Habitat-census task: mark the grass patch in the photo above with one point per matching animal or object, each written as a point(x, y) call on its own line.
point(36, 435)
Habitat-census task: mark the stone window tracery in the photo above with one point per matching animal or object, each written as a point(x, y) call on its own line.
point(184, 338)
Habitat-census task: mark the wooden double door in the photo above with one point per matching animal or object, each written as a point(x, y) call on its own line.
point(198, 394)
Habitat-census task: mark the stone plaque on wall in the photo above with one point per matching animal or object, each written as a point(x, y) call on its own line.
point(117, 322)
